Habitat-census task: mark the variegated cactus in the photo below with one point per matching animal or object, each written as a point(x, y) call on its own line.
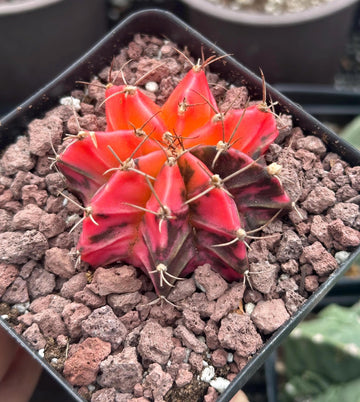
point(168, 188)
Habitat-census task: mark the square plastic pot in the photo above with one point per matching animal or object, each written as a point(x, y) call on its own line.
point(164, 24)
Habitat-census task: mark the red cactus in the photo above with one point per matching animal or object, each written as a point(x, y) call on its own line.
point(169, 188)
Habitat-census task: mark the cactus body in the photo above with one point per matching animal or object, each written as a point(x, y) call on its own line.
point(169, 188)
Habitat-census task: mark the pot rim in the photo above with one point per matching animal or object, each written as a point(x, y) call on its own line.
point(21, 6)
point(255, 18)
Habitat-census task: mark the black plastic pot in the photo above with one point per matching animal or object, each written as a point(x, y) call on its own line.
point(324, 101)
point(39, 38)
point(302, 47)
point(165, 24)
point(345, 293)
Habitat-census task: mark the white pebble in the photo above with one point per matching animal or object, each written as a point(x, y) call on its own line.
point(341, 256)
point(22, 307)
point(71, 102)
point(91, 387)
point(41, 352)
point(151, 86)
point(207, 374)
point(230, 357)
point(249, 308)
point(200, 287)
point(220, 384)
point(54, 360)
point(4, 316)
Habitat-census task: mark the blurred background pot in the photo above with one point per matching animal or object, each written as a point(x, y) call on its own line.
point(302, 47)
point(34, 30)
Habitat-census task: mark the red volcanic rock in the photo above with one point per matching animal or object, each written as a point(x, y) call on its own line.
point(82, 367)
point(115, 280)
point(245, 344)
point(269, 315)
point(121, 371)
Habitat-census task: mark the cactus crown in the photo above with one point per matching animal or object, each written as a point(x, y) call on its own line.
point(169, 188)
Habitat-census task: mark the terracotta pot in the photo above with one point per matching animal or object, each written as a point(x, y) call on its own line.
point(303, 47)
point(160, 23)
point(39, 38)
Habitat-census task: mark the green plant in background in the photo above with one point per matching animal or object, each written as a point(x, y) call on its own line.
point(322, 358)
point(351, 132)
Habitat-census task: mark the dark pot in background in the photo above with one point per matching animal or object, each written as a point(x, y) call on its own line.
point(40, 38)
point(164, 24)
point(325, 102)
point(302, 47)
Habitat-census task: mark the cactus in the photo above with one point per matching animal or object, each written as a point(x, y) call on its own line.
point(168, 188)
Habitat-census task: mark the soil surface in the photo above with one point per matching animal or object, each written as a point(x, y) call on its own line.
point(99, 328)
point(272, 7)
